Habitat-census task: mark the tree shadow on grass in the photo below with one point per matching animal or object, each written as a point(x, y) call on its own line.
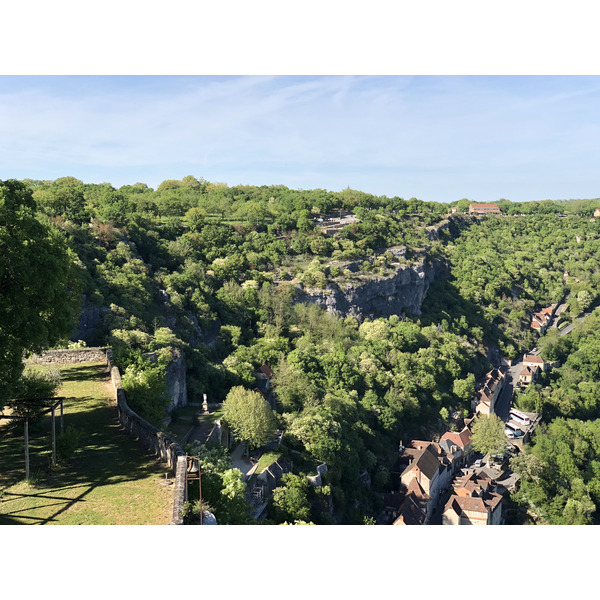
point(8, 516)
point(107, 456)
point(84, 372)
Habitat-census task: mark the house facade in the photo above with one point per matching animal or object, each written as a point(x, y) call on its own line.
point(458, 446)
point(428, 467)
point(488, 389)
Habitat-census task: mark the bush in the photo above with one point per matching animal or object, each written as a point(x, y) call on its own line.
point(38, 384)
point(145, 389)
point(67, 443)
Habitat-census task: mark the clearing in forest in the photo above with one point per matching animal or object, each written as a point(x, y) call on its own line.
point(109, 480)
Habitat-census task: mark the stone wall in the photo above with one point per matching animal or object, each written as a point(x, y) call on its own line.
point(152, 439)
point(79, 355)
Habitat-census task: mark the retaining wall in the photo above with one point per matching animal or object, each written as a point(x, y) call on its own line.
point(78, 355)
point(146, 434)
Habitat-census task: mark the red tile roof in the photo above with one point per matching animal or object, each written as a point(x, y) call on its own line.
point(265, 370)
point(462, 439)
point(533, 358)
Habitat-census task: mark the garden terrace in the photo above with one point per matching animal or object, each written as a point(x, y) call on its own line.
point(109, 480)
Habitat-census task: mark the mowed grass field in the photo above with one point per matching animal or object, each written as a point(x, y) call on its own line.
point(110, 480)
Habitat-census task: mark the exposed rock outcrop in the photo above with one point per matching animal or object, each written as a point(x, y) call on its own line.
point(91, 317)
point(372, 296)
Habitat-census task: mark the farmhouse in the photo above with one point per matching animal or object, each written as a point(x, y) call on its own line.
point(484, 209)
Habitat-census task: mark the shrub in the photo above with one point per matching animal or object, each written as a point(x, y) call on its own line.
point(67, 443)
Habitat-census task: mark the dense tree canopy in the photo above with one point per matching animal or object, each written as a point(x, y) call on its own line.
point(214, 271)
point(38, 282)
point(249, 416)
point(488, 435)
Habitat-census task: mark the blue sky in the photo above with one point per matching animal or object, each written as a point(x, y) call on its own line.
point(436, 138)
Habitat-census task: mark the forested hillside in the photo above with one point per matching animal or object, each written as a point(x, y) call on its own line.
point(213, 271)
point(561, 472)
point(504, 268)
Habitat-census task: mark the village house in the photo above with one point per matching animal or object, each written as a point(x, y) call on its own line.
point(413, 510)
point(528, 374)
point(458, 447)
point(488, 389)
point(484, 209)
point(540, 320)
point(532, 360)
point(475, 502)
point(428, 466)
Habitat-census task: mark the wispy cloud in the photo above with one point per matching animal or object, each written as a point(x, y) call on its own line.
point(431, 137)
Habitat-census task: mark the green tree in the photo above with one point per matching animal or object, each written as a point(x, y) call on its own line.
point(249, 416)
point(290, 501)
point(488, 435)
point(39, 283)
point(223, 488)
point(146, 391)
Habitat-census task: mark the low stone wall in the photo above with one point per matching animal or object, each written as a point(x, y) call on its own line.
point(317, 480)
point(152, 439)
point(79, 355)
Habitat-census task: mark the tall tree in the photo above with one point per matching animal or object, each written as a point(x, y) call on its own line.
point(249, 416)
point(39, 283)
point(488, 435)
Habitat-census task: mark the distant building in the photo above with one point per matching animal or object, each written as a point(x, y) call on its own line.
point(528, 374)
point(484, 209)
point(532, 360)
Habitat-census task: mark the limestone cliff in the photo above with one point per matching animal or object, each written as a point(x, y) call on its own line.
point(374, 296)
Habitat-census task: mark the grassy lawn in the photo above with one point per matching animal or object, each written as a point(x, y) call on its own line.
point(109, 480)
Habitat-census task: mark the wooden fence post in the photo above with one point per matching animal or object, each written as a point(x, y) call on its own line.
point(53, 438)
point(27, 449)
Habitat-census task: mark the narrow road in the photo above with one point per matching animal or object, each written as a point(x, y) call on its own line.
point(503, 403)
point(572, 326)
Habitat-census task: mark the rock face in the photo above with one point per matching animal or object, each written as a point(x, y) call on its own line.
point(176, 383)
point(402, 291)
point(90, 319)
